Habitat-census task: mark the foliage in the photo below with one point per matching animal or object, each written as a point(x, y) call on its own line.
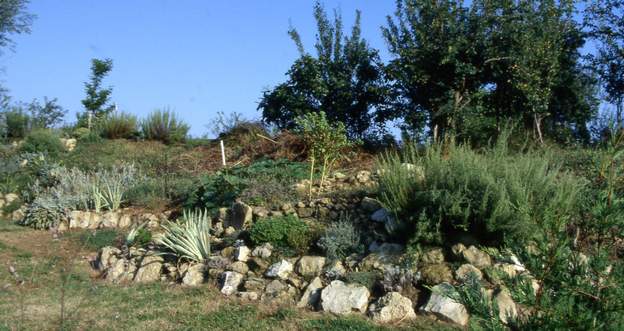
point(43, 141)
point(604, 22)
point(190, 237)
point(486, 63)
point(286, 231)
point(44, 213)
point(326, 142)
point(97, 101)
point(13, 20)
point(138, 236)
point(15, 123)
point(344, 80)
point(494, 194)
point(265, 182)
point(340, 240)
point(45, 115)
point(164, 125)
point(118, 125)
point(96, 240)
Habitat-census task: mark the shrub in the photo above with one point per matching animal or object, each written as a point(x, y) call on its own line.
point(43, 141)
point(494, 194)
point(285, 232)
point(118, 125)
point(16, 123)
point(340, 240)
point(139, 236)
point(326, 142)
point(189, 238)
point(44, 213)
point(163, 125)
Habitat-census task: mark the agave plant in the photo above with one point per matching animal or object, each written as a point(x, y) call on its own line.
point(113, 194)
point(132, 234)
point(189, 238)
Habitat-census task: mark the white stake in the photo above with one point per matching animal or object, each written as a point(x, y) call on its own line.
point(222, 153)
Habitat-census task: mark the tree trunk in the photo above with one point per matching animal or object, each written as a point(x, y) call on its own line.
point(538, 127)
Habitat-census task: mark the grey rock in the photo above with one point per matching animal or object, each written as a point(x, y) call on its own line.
point(370, 205)
point(194, 275)
point(107, 257)
point(280, 270)
point(507, 309)
point(476, 257)
point(239, 266)
point(230, 280)
point(241, 253)
point(310, 266)
point(263, 251)
point(150, 269)
point(312, 294)
point(465, 270)
point(239, 217)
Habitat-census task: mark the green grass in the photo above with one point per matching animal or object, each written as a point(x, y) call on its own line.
point(99, 238)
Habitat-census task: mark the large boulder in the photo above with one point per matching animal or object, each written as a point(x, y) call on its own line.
point(150, 269)
point(230, 280)
point(310, 266)
point(340, 298)
point(392, 307)
point(239, 217)
point(280, 270)
point(445, 308)
point(312, 294)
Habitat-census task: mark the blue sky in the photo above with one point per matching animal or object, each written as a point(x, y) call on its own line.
point(197, 57)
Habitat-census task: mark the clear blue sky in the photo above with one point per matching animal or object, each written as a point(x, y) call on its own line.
point(198, 57)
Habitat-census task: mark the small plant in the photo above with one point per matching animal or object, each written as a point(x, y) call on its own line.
point(44, 213)
point(285, 232)
point(189, 238)
point(100, 238)
point(118, 125)
point(164, 125)
point(340, 240)
point(326, 142)
point(138, 236)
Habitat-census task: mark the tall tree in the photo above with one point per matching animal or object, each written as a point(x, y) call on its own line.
point(438, 61)
point(605, 22)
point(344, 80)
point(97, 102)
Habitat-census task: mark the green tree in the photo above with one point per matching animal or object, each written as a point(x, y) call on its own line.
point(47, 114)
point(344, 80)
point(604, 22)
point(438, 62)
point(97, 102)
point(14, 19)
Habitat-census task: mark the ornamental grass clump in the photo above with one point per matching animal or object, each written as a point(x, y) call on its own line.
point(189, 238)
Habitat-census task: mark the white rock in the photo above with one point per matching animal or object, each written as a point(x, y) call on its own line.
point(242, 253)
point(150, 269)
point(392, 307)
point(340, 298)
point(280, 270)
point(263, 251)
point(507, 310)
point(444, 307)
point(312, 294)
point(249, 296)
point(310, 266)
point(230, 282)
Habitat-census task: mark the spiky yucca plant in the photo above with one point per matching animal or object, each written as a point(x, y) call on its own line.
point(189, 238)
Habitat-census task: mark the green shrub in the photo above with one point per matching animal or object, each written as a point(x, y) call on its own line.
point(43, 141)
point(100, 238)
point(139, 236)
point(340, 240)
point(118, 125)
point(44, 213)
point(494, 194)
point(16, 123)
point(286, 232)
point(163, 125)
point(189, 238)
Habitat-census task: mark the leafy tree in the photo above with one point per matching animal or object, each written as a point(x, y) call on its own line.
point(344, 80)
point(13, 20)
point(97, 101)
point(604, 21)
point(47, 114)
point(438, 61)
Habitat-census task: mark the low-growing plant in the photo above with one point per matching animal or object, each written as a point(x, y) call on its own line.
point(95, 240)
point(44, 213)
point(138, 236)
point(118, 125)
point(341, 239)
point(164, 125)
point(285, 232)
point(189, 238)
